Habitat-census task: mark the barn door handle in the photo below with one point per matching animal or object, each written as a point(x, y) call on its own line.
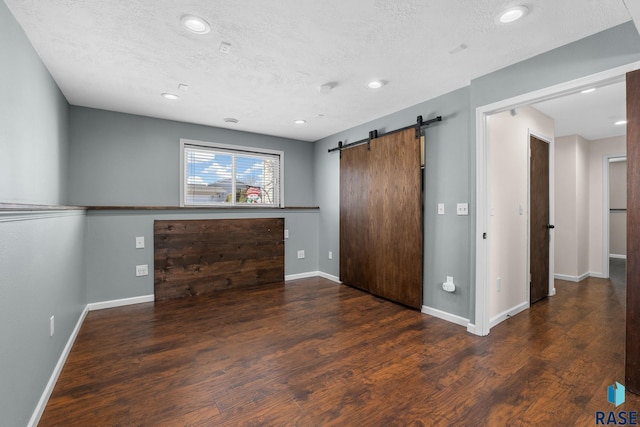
point(549, 226)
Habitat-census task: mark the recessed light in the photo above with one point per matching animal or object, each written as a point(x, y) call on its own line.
point(375, 84)
point(195, 24)
point(513, 14)
point(299, 122)
point(588, 90)
point(171, 96)
point(620, 122)
point(231, 120)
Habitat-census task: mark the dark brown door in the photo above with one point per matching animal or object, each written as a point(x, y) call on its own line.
point(381, 218)
point(539, 219)
point(632, 368)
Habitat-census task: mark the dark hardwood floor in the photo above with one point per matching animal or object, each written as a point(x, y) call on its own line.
point(311, 352)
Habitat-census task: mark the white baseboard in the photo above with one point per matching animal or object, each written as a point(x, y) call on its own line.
point(312, 274)
point(329, 277)
point(597, 275)
point(42, 403)
point(508, 313)
point(584, 276)
point(301, 275)
point(119, 302)
point(445, 316)
point(572, 278)
point(616, 256)
point(565, 277)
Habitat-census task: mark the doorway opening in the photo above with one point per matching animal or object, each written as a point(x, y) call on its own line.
point(485, 284)
point(615, 215)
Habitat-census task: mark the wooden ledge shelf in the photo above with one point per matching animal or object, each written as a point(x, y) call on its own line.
point(197, 208)
point(23, 207)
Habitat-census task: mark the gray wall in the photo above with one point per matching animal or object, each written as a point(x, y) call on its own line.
point(121, 159)
point(450, 155)
point(41, 254)
point(33, 123)
point(124, 160)
point(42, 265)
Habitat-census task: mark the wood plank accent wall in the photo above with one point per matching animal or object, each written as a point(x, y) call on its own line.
point(196, 257)
point(632, 364)
point(381, 218)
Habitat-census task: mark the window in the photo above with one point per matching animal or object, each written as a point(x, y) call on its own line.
point(227, 175)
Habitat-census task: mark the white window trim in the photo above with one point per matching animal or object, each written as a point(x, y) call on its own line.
point(254, 150)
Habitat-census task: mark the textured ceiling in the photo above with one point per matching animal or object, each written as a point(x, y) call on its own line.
point(120, 55)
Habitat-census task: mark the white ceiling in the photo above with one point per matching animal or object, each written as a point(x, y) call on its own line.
point(591, 115)
point(120, 55)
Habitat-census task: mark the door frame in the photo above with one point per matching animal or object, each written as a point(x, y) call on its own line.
point(481, 326)
point(606, 219)
point(551, 291)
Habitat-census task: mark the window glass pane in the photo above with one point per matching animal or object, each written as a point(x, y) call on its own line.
point(249, 179)
point(226, 176)
point(209, 177)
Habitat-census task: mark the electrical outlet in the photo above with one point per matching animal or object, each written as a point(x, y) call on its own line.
point(449, 286)
point(142, 270)
point(140, 242)
point(301, 254)
point(440, 208)
point(463, 209)
point(52, 325)
point(286, 233)
point(330, 255)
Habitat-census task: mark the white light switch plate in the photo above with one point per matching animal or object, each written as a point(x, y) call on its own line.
point(140, 242)
point(463, 209)
point(440, 208)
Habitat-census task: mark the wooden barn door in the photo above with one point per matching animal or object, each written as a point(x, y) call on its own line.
point(381, 218)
